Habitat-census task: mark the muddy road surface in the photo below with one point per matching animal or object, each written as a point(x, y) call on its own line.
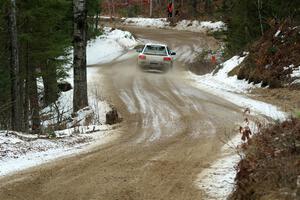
point(170, 132)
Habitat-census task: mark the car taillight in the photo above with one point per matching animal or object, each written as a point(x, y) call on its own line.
point(167, 58)
point(142, 57)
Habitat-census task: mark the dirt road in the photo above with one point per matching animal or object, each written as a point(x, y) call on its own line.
point(169, 134)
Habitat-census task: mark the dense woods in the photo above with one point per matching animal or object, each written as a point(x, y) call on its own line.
point(35, 38)
point(248, 20)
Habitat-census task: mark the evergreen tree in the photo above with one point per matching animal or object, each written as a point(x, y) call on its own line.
point(249, 19)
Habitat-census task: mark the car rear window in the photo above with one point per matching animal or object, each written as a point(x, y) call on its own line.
point(155, 50)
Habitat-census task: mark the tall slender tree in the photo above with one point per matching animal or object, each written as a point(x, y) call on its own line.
point(151, 8)
point(16, 119)
point(173, 11)
point(80, 99)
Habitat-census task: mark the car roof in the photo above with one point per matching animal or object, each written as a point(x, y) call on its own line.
point(156, 44)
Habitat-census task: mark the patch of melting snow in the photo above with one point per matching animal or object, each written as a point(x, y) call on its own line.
point(217, 181)
point(17, 154)
point(200, 26)
point(277, 33)
point(296, 73)
point(147, 22)
point(232, 89)
point(186, 25)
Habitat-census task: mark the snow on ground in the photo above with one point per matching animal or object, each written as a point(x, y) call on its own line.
point(296, 73)
point(218, 180)
point(198, 26)
point(147, 22)
point(221, 80)
point(186, 25)
point(232, 89)
point(18, 154)
point(19, 151)
point(109, 46)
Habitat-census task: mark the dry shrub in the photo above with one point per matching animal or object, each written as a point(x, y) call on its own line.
point(269, 55)
point(271, 164)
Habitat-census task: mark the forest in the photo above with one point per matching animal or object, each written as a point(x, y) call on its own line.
point(35, 41)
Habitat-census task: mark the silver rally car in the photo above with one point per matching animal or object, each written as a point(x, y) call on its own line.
point(155, 57)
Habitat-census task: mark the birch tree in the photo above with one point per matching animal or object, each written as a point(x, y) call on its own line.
point(80, 99)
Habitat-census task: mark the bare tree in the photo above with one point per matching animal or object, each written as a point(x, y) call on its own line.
point(109, 8)
point(151, 8)
point(259, 7)
point(80, 99)
point(173, 10)
point(16, 119)
point(113, 8)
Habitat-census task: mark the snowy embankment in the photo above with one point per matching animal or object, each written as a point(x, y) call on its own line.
point(109, 46)
point(88, 129)
point(217, 181)
point(295, 74)
point(186, 25)
point(233, 90)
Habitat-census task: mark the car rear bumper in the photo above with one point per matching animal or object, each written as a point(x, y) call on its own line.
point(155, 66)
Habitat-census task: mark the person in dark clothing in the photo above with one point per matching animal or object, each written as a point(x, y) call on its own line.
point(170, 9)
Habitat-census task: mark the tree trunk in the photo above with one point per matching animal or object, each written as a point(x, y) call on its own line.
point(50, 83)
point(34, 100)
point(26, 96)
point(208, 6)
point(16, 117)
point(80, 99)
point(151, 8)
point(109, 9)
point(113, 8)
point(173, 11)
point(259, 7)
point(194, 5)
point(97, 20)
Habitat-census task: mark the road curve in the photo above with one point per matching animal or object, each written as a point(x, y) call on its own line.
point(169, 134)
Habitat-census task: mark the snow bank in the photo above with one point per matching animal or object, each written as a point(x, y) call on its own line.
point(18, 154)
point(220, 79)
point(218, 180)
point(147, 22)
point(198, 26)
point(296, 73)
point(109, 46)
point(231, 89)
point(186, 25)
